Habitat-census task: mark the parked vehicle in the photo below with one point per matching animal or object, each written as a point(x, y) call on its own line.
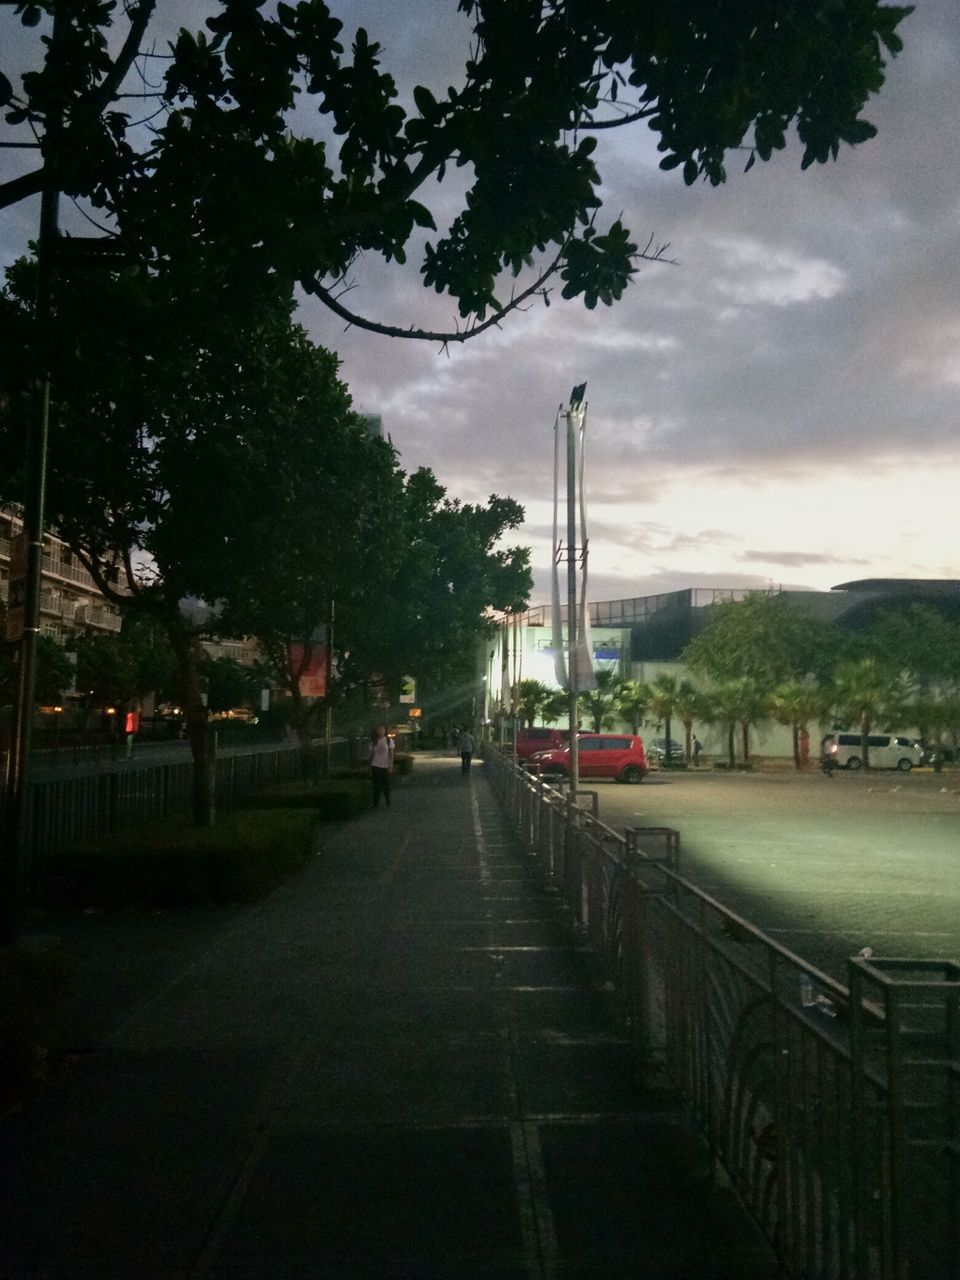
point(532, 740)
point(658, 750)
point(844, 750)
point(602, 755)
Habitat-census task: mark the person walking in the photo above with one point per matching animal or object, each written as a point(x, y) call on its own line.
point(467, 746)
point(381, 764)
point(697, 749)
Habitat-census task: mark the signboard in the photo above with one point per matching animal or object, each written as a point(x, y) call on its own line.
point(415, 713)
point(313, 676)
point(408, 689)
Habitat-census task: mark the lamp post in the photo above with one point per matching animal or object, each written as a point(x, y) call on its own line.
point(24, 623)
point(574, 414)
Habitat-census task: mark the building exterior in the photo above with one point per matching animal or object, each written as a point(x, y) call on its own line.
point(69, 597)
point(643, 637)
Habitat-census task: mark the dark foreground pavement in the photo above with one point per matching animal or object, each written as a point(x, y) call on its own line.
point(401, 1064)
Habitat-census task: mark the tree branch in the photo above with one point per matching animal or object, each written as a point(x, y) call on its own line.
point(427, 335)
point(31, 184)
point(112, 81)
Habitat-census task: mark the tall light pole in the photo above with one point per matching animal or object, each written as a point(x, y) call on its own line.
point(23, 624)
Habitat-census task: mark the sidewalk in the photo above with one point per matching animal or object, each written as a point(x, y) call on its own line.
point(398, 1065)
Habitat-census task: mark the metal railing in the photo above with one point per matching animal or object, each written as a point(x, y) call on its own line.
point(72, 806)
point(834, 1110)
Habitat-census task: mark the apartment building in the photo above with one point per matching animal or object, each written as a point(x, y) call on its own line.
point(69, 597)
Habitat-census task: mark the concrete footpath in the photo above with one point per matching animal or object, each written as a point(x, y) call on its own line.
point(400, 1064)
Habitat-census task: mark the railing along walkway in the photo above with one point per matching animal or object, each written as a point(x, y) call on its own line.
point(834, 1109)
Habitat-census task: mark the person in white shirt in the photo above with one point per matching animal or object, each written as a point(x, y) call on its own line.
point(381, 764)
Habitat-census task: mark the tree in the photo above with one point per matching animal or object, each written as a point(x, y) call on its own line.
point(725, 704)
point(229, 172)
point(764, 637)
point(602, 703)
point(445, 571)
point(864, 693)
point(532, 696)
point(556, 707)
point(105, 668)
point(197, 400)
point(663, 701)
point(632, 702)
point(796, 703)
point(55, 672)
point(752, 704)
point(691, 705)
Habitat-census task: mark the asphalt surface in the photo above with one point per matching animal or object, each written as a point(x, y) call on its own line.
point(825, 865)
point(400, 1064)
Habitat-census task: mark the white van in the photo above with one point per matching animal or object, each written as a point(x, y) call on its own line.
point(887, 750)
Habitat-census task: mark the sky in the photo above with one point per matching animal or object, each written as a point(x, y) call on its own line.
point(778, 406)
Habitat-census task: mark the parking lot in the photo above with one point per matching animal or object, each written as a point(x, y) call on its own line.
point(824, 865)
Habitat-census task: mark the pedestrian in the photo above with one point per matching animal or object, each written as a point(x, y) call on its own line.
point(467, 747)
point(697, 748)
point(381, 764)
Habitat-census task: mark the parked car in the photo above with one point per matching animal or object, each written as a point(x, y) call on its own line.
point(602, 755)
point(532, 740)
point(844, 750)
point(658, 750)
point(931, 750)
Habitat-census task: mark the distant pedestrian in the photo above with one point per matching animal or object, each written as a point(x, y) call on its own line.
point(467, 746)
point(381, 764)
point(697, 748)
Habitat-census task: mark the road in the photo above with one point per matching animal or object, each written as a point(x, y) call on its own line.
point(824, 865)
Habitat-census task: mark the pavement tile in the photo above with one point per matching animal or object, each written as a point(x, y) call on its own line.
point(399, 1065)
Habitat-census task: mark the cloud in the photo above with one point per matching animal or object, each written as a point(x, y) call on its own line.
point(797, 559)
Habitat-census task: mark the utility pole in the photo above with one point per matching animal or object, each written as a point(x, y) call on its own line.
point(24, 618)
point(575, 400)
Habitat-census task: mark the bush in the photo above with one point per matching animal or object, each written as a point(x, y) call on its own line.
point(166, 864)
point(333, 800)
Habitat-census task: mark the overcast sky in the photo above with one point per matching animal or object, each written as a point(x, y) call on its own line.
point(781, 406)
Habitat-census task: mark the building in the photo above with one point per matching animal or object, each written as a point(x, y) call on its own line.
point(643, 637)
point(69, 597)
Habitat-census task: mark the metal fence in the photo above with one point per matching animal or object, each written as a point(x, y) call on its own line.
point(68, 806)
point(835, 1110)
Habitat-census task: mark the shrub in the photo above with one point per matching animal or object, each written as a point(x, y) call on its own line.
point(333, 800)
point(166, 864)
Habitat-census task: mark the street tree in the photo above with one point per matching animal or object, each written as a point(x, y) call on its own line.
point(664, 691)
point(202, 424)
point(764, 637)
point(445, 570)
point(691, 705)
point(283, 155)
point(797, 703)
point(866, 693)
point(602, 703)
point(532, 696)
point(632, 701)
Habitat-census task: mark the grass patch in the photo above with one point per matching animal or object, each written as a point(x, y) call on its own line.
point(168, 864)
point(331, 800)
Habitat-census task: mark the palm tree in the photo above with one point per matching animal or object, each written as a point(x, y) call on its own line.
point(555, 706)
point(796, 704)
point(725, 709)
point(752, 705)
point(691, 705)
point(865, 692)
point(531, 697)
point(934, 714)
point(632, 702)
point(601, 703)
point(663, 701)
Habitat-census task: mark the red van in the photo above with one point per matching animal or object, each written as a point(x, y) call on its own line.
point(602, 755)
